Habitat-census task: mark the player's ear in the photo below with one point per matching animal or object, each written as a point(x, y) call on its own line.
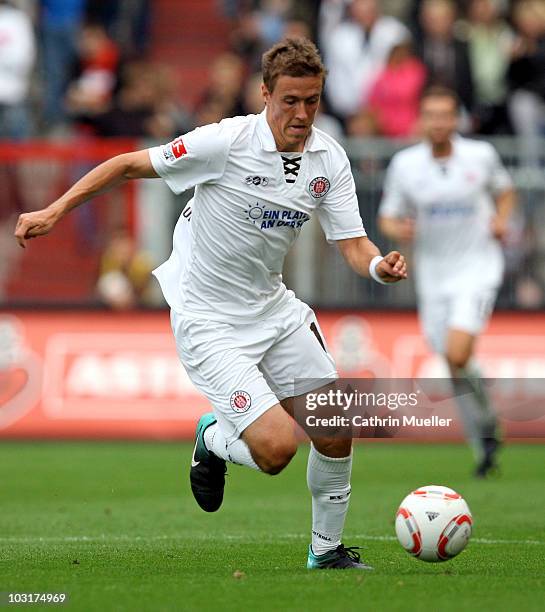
point(265, 92)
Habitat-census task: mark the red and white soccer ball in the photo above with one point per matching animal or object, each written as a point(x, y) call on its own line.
point(433, 523)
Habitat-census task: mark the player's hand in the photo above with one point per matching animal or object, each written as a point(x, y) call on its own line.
point(499, 228)
point(392, 268)
point(33, 224)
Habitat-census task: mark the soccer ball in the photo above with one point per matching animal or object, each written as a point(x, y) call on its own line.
point(433, 523)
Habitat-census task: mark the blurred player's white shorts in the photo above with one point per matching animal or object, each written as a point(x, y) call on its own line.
point(468, 311)
point(246, 368)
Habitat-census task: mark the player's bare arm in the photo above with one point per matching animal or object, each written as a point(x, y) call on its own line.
point(109, 174)
point(505, 204)
point(359, 252)
point(400, 229)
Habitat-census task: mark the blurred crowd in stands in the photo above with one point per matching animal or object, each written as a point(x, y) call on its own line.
point(84, 68)
point(85, 64)
point(81, 65)
point(380, 56)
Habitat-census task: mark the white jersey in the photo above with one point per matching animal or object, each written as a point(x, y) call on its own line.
point(230, 242)
point(452, 202)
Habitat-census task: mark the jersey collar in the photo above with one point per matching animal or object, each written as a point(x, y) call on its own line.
point(314, 142)
point(455, 141)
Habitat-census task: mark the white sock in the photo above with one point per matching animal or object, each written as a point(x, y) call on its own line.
point(329, 482)
point(235, 452)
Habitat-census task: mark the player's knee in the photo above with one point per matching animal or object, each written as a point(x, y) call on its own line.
point(333, 447)
point(459, 348)
point(275, 455)
point(457, 359)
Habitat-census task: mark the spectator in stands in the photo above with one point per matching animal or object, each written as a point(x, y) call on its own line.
point(105, 13)
point(296, 27)
point(231, 9)
point(223, 96)
point(127, 22)
point(245, 40)
point(133, 26)
point(356, 51)
point(144, 106)
point(490, 43)
point(446, 57)
point(326, 122)
point(17, 55)
point(91, 92)
point(252, 102)
point(361, 125)
point(125, 274)
point(260, 26)
point(395, 96)
point(331, 13)
point(60, 26)
point(413, 13)
point(527, 75)
point(272, 16)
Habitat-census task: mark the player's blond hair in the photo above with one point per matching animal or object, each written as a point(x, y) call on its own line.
point(295, 57)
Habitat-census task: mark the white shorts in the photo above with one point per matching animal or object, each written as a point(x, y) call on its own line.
point(246, 368)
point(467, 312)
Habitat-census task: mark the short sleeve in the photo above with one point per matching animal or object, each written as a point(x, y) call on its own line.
point(394, 202)
point(499, 180)
point(197, 157)
point(339, 213)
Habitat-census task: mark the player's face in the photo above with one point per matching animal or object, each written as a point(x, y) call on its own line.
point(291, 107)
point(438, 118)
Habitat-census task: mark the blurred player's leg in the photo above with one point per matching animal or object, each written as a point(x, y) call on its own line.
point(451, 324)
point(480, 420)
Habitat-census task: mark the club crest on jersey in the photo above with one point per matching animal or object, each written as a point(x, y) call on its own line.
point(319, 186)
point(174, 150)
point(240, 401)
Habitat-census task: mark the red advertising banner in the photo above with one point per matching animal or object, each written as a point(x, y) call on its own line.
point(108, 375)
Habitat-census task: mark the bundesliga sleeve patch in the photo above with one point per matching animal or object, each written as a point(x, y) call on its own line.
point(319, 186)
point(240, 401)
point(174, 150)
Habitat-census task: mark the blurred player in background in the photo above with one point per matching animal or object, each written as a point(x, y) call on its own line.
point(243, 338)
point(453, 198)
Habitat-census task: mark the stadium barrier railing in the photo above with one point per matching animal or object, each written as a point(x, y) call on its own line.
point(35, 173)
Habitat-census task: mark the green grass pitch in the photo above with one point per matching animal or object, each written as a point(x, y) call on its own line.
point(114, 525)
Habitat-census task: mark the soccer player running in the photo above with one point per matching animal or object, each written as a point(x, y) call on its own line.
point(452, 197)
point(242, 337)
